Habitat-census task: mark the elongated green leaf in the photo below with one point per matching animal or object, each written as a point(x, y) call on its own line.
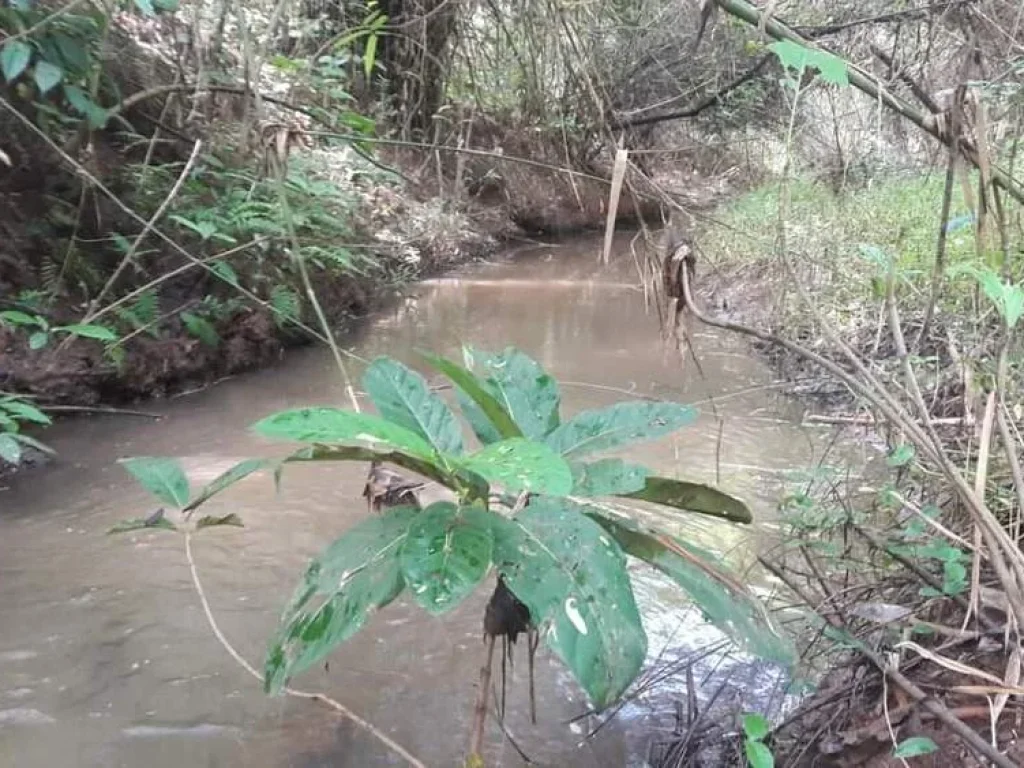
point(446, 554)
point(14, 58)
point(89, 331)
point(334, 425)
point(403, 397)
point(16, 317)
point(24, 411)
point(567, 570)
point(722, 598)
point(209, 521)
point(756, 726)
point(357, 574)
point(525, 391)
point(620, 424)
point(26, 440)
point(226, 479)
point(607, 477)
point(159, 523)
point(488, 417)
point(759, 755)
point(163, 477)
point(693, 497)
point(520, 465)
point(915, 746)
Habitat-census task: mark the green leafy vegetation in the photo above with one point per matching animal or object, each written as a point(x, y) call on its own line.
point(563, 557)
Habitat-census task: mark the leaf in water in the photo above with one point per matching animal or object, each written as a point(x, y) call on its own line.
point(163, 477)
point(618, 425)
point(89, 331)
point(14, 58)
point(485, 414)
point(520, 465)
point(693, 497)
point(402, 397)
point(526, 392)
point(759, 755)
point(207, 521)
point(755, 726)
point(357, 574)
point(568, 571)
point(47, 76)
point(607, 477)
point(901, 455)
point(446, 554)
point(334, 425)
point(915, 747)
point(226, 479)
point(10, 449)
point(723, 599)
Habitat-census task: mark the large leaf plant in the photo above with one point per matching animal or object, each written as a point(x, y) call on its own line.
point(532, 503)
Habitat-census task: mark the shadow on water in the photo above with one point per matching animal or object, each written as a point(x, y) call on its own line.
point(105, 656)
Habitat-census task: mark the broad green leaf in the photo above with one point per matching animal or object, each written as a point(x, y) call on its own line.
point(10, 449)
point(25, 411)
point(162, 477)
point(489, 419)
point(722, 598)
point(357, 574)
point(755, 726)
point(226, 479)
point(526, 392)
point(47, 76)
point(403, 397)
point(607, 477)
point(758, 755)
point(224, 271)
point(446, 554)
point(208, 521)
point(791, 55)
point(14, 58)
point(38, 340)
point(832, 68)
point(568, 571)
point(96, 115)
point(620, 424)
point(692, 497)
point(89, 331)
point(915, 747)
point(520, 465)
point(334, 425)
point(901, 455)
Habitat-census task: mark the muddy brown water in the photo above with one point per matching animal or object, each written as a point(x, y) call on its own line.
point(106, 658)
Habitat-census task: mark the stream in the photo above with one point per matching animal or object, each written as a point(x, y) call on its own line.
point(106, 658)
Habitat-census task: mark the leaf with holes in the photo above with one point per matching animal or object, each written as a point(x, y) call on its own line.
point(618, 425)
point(569, 571)
point(485, 414)
point(520, 465)
point(334, 425)
point(14, 58)
point(607, 477)
point(525, 391)
point(446, 553)
point(692, 497)
point(357, 574)
point(722, 598)
point(402, 397)
point(163, 477)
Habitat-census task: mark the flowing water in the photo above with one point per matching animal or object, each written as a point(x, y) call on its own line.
point(106, 658)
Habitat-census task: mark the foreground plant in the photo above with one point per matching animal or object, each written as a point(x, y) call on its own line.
point(532, 503)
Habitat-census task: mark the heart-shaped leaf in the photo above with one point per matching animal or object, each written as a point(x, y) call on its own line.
point(47, 76)
point(161, 476)
point(14, 58)
point(446, 554)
